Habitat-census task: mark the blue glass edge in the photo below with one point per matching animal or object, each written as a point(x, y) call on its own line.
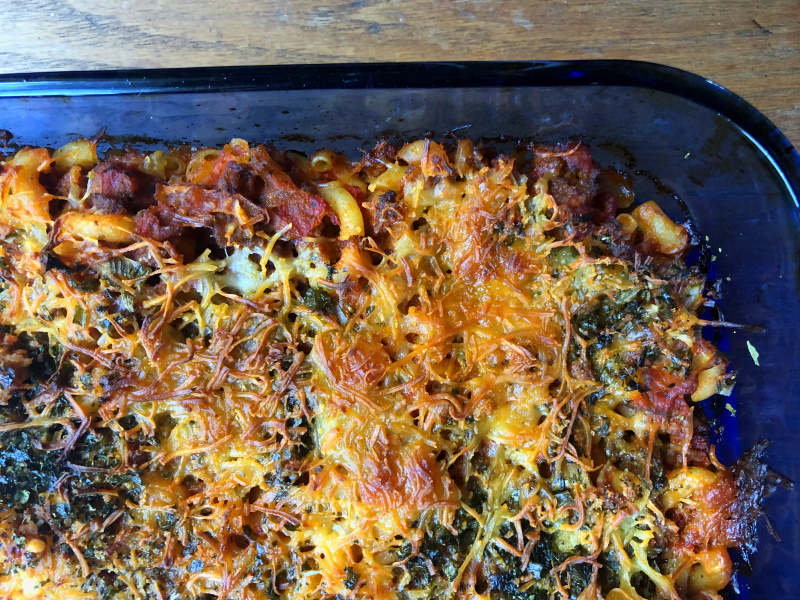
point(424, 75)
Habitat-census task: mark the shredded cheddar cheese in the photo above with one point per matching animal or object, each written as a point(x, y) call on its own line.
point(440, 372)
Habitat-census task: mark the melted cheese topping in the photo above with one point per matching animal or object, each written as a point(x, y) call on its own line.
point(426, 375)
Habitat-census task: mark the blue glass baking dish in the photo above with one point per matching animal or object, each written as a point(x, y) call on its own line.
point(687, 142)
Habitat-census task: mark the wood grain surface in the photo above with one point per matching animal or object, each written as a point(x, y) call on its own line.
point(751, 47)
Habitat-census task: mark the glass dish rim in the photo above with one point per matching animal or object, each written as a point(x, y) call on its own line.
point(421, 75)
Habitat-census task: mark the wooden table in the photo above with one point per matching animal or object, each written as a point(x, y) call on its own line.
point(749, 46)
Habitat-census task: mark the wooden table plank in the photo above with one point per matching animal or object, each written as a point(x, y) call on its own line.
point(752, 48)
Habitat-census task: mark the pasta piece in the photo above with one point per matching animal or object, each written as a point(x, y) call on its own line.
point(97, 227)
point(345, 207)
point(322, 160)
point(629, 224)
point(708, 382)
point(80, 153)
point(412, 153)
point(389, 179)
point(660, 232)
